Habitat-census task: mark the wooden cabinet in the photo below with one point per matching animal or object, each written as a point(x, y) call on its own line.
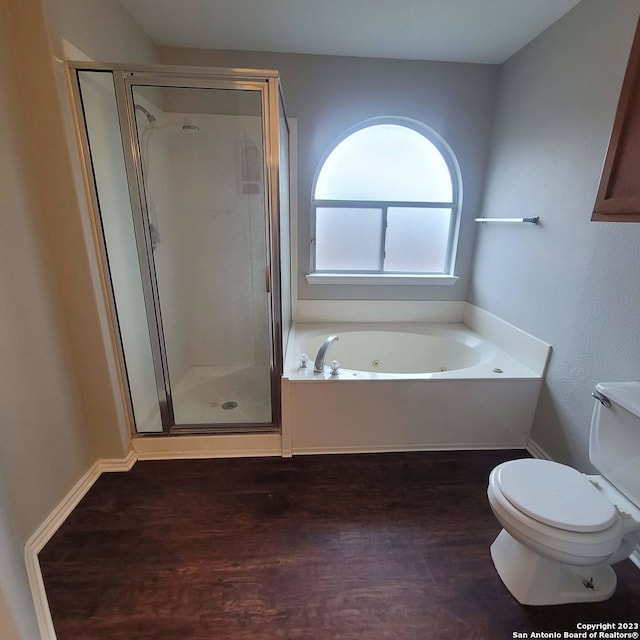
point(618, 198)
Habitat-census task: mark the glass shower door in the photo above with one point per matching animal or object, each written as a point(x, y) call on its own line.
point(200, 162)
point(102, 136)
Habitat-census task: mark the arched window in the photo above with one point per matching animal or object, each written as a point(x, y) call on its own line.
point(386, 201)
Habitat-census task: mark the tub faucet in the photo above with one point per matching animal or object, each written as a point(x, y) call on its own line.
point(322, 354)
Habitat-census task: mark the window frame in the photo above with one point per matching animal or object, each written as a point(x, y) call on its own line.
point(374, 276)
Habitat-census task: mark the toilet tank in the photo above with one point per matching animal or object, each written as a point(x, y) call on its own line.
point(614, 443)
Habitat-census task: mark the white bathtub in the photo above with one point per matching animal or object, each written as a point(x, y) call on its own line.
point(405, 387)
point(409, 351)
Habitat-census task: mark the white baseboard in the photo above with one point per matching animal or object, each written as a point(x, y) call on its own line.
point(52, 523)
point(39, 539)
point(118, 464)
point(309, 451)
point(537, 451)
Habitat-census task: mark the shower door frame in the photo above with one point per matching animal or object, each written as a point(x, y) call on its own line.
point(267, 83)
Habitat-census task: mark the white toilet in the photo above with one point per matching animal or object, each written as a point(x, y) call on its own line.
point(562, 529)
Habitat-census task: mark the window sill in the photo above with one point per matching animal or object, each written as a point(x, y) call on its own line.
point(379, 278)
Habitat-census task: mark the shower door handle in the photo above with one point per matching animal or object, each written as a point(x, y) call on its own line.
point(267, 278)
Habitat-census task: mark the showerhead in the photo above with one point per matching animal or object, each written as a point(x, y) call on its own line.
point(188, 126)
point(150, 117)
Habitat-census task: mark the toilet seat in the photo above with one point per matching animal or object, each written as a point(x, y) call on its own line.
point(561, 544)
point(555, 494)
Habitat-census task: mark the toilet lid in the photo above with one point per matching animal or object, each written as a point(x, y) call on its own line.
point(555, 494)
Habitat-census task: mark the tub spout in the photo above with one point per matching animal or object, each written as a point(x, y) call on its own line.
point(322, 354)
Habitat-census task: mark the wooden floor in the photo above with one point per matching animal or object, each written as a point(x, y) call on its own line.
point(382, 546)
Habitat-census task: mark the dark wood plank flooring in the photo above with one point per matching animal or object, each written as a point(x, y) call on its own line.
point(381, 546)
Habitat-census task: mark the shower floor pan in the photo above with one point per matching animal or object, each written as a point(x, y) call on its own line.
point(234, 394)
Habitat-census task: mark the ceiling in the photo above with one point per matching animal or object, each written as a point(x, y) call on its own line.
point(482, 31)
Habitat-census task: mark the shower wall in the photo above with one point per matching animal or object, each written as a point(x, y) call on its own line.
point(157, 167)
point(210, 218)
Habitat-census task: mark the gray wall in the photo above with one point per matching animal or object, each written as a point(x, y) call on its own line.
point(330, 94)
point(571, 282)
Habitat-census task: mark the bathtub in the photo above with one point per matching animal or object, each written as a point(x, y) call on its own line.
point(404, 387)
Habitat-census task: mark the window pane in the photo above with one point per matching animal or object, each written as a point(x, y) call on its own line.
point(348, 239)
point(385, 162)
point(417, 239)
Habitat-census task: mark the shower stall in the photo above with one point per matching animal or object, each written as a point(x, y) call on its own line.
point(188, 172)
